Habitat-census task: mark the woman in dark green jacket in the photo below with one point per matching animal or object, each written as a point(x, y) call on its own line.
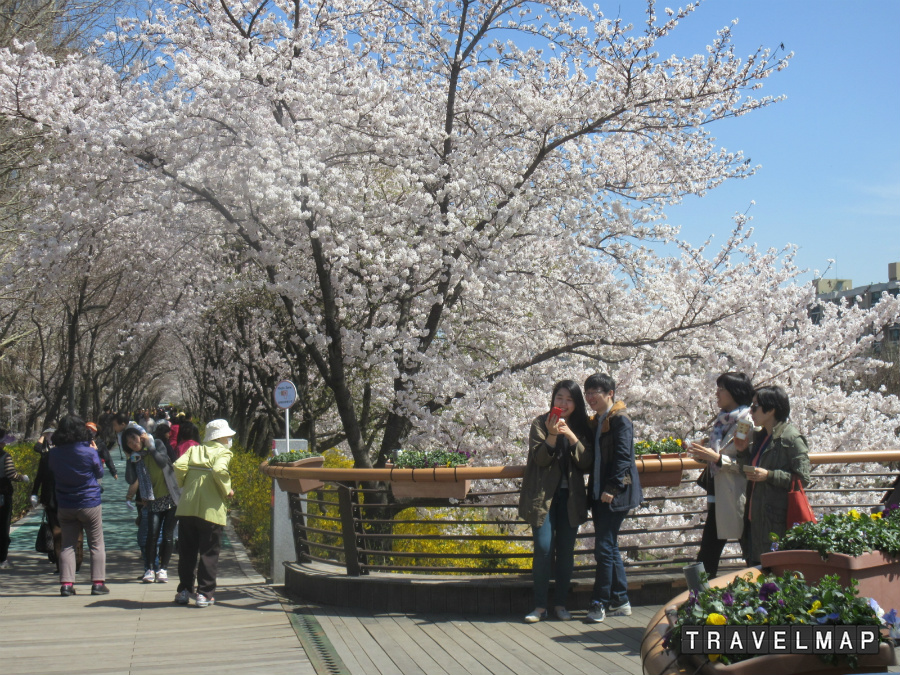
point(552, 499)
point(778, 452)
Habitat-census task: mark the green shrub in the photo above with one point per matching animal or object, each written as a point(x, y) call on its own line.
point(26, 461)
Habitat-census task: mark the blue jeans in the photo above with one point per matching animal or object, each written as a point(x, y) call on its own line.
point(556, 524)
point(610, 583)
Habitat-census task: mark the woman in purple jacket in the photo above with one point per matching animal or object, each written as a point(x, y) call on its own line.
point(76, 468)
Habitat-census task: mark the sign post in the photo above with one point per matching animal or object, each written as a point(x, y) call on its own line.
point(282, 535)
point(285, 398)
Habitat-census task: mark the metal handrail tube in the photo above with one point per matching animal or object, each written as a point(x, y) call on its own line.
point(646, 464)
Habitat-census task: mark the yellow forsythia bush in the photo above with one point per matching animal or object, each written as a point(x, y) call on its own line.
point(26, 461)
point(253, 497)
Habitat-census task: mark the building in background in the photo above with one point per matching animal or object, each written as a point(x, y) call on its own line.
point(834, 290)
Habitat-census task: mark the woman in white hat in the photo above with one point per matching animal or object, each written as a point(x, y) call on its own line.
point(202, 472)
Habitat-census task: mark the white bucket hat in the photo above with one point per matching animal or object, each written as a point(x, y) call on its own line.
point(218, 429)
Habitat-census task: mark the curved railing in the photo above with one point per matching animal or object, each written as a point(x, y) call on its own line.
point(354, 521)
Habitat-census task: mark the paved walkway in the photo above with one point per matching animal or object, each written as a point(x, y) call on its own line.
point(137, 629)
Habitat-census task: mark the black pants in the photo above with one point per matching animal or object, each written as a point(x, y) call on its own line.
point(711, 546)
point(198, 538)
point(5, 524)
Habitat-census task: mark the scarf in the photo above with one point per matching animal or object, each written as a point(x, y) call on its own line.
point(144, 483)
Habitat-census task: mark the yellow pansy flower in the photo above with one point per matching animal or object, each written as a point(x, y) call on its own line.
point(876, 516)
point(714, 657)
point(817, 605)
point(716, 620)
point(854, 514)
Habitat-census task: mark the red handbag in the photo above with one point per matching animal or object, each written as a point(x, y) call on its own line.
point(798, 509)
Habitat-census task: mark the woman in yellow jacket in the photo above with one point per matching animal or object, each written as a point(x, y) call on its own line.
point(202, 473)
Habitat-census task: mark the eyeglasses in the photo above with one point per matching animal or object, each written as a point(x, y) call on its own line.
point(593, 393)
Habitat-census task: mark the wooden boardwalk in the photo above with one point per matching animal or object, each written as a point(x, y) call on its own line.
point(137, 629)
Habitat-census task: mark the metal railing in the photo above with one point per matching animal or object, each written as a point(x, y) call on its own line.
point(357, 525)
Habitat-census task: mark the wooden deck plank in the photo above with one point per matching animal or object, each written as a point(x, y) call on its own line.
point(486, 654)
point(430, 635)
point(339, 637)
point(539, 640)
point(366, 643)
point(517, 659)
point(382, 635)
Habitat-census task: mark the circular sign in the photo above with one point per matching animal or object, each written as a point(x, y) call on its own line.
point(285, 394)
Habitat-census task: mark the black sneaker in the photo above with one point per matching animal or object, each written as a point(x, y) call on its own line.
point(99, 589)
point(66, 590)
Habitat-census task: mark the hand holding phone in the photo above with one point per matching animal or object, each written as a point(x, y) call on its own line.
point(748, 468)
point(556, 412)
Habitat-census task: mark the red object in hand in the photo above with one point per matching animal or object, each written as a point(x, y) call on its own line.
point(556, 412)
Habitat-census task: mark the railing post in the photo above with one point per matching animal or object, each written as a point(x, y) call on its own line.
point(348, 503)
point(298, 507)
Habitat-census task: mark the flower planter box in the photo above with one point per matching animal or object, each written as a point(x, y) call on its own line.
point(659, 478)
point(299, 485)
point(878, 574)
point(425, 487)
point(789, 664)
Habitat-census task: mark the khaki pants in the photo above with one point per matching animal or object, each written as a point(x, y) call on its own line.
point(71, 522)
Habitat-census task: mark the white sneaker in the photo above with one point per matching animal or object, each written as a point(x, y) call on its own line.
point(621, 610)
point(162, 577)
point(597, 613)
point(149, 577)
point(562, 613)
point(536, 616)
point(182, 597)
point(203, 601)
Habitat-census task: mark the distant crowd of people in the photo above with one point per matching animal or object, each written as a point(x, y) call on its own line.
point(174, 480)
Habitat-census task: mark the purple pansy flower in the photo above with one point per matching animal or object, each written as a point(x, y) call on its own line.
point(767, 590)
point(762, 610)
point(727, 599)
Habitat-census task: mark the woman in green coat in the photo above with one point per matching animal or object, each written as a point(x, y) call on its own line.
point(552, 499)
point(202, 473)
point(778, 452)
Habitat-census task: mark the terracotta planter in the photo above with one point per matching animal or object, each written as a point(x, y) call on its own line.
point(659, 478)
point(428, 488)
point(878, 574)
point(300, 485)
point(789, 664)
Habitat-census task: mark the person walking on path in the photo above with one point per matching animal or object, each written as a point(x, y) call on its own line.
point(202, 473)
point(77, 468)
point(8, 476)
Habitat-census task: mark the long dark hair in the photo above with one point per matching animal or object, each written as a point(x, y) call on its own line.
point(578, 420)
point(188, 431)
point(71, 429)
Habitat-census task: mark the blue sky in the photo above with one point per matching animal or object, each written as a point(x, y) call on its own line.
point(830, 153)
